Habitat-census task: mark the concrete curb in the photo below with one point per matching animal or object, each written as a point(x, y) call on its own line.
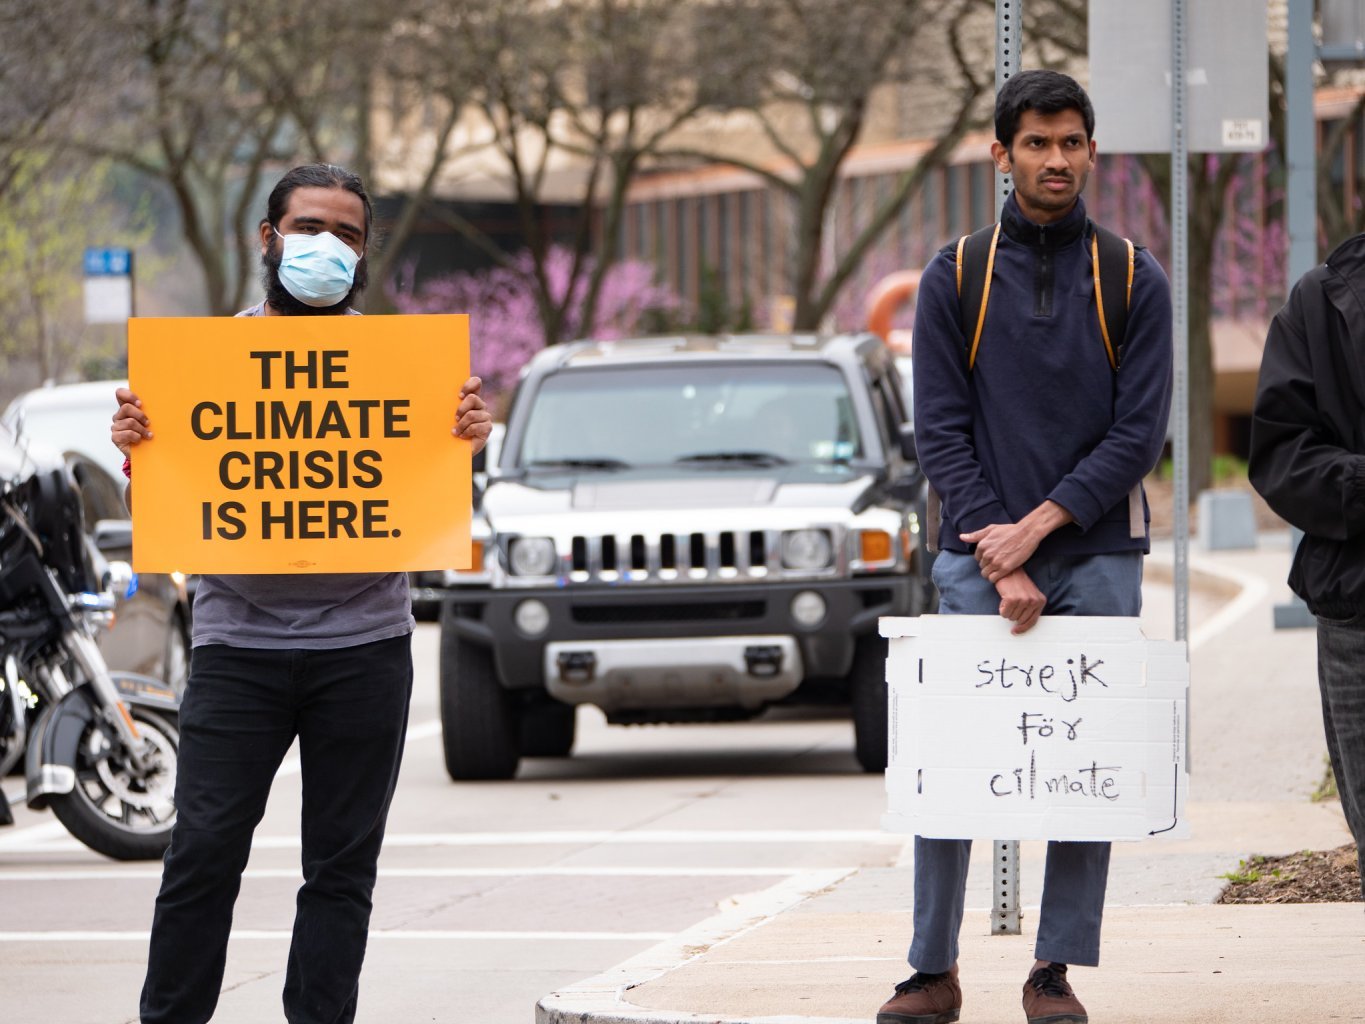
point(602, 999)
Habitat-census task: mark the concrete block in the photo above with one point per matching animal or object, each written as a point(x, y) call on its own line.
point(1226, 521)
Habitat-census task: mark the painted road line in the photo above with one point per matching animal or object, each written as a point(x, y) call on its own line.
point(134, 873)
point(646, 837)
point(283, 935)
point(37, 837)
point(57, 840)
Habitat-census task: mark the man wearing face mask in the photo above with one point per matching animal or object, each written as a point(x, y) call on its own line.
point(322, 658)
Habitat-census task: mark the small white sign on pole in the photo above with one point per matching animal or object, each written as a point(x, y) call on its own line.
point(108, 300)
point(108, 285)
point(1074, 731)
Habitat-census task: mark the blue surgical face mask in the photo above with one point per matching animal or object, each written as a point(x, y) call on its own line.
point(318, 270)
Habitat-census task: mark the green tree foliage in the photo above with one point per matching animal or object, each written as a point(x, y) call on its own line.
point(53, 212)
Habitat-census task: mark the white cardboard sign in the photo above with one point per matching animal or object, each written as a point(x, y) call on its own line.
point(1074, 731)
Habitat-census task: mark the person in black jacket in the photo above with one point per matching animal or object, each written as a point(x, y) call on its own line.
point(1308, 462)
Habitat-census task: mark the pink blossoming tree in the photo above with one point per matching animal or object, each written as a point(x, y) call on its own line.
point(505, 328)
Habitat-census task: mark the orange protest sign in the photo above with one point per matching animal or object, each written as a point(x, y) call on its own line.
point(300, 444)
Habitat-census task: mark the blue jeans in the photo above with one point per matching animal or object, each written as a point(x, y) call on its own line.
point(1076, 873)
point(243, 708)
point(1341, 679)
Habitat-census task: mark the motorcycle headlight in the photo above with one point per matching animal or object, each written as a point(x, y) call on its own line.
point(807, 549)
point(531, 556)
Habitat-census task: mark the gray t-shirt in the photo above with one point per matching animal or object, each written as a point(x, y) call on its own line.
point(315, 611)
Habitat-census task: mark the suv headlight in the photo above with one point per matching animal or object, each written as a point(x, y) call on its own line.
point(807, 549)
point(531, 556)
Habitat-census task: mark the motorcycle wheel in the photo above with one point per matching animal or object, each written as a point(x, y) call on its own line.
point(111, 810)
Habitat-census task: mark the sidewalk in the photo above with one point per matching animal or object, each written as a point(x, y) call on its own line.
point(826, 948)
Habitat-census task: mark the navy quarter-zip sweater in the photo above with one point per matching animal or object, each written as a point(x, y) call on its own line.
point(1041, 415)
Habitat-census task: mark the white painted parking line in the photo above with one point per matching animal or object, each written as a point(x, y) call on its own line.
point(53, 839)
point(647, 837)
point(38, 837)
point(425, 935)
point(126, 874)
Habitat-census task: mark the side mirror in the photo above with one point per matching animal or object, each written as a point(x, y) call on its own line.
point(113, 535)
point(907, 438)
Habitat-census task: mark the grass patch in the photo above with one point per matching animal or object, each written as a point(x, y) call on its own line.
point(1327, 788)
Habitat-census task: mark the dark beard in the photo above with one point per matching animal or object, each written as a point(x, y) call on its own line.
point(277, 295)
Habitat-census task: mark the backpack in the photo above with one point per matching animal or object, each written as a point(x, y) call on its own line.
point(1112, 259)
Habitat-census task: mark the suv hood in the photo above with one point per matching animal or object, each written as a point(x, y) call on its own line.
point(813, 486)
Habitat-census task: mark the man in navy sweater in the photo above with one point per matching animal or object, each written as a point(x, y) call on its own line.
point(1036, 450)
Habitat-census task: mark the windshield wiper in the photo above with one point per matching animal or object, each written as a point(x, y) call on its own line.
point(755, 458)
point(584, 463)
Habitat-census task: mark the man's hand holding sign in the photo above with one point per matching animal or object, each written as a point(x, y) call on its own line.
point(313, 445)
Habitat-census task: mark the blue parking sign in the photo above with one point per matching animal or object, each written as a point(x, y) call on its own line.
point(108, 262)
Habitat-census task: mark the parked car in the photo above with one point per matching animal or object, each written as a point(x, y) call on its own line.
point(685, 529)
point(151, 626)
point(70, 418)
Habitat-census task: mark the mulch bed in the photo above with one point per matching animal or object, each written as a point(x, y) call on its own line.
point(1311, 876)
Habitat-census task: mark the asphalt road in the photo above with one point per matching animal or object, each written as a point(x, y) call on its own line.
point(490, 894)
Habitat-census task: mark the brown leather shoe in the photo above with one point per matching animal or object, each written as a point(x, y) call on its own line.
point(924, 999)
point(1048, 998)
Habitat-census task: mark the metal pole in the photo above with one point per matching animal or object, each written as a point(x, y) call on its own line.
point(1300, 149)
point(1009, 34)
point(1300, 200)
point(1179, 299)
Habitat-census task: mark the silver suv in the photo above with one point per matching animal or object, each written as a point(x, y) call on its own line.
point(680, 530)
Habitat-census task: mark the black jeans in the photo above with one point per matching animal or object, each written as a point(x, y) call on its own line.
point(242, 710)
point(1341, 679)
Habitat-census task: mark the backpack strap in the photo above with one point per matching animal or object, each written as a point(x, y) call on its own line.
point(975, 268)
point(1111, 260)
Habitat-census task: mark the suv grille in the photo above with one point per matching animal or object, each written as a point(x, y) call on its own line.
point(680, 611)
point(637, 557)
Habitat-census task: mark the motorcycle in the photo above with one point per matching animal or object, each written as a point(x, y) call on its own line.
point(100, 748)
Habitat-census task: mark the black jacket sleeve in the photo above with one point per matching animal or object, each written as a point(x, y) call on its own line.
point(1300, 461)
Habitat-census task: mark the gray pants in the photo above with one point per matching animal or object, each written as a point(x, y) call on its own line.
point(1341, 679)
point(1076, 873)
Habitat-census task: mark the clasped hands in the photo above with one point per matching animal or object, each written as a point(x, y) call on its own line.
point(1001, 551)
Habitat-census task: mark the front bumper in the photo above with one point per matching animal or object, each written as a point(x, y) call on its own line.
point(588, 615)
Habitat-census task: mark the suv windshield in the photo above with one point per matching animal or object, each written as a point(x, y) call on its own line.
point(735, 414)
